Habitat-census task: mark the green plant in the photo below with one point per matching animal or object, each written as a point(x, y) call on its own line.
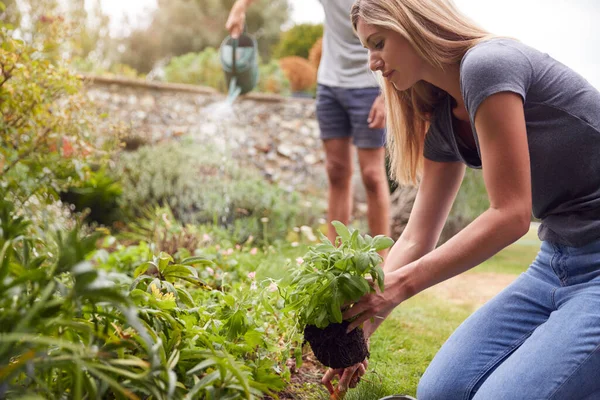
point(199, 188)
point(99, 194)
point(57, 320)
point(48, 135)
point(272, 79)
point(202, 68)
point(298, 40)
point(330, 276)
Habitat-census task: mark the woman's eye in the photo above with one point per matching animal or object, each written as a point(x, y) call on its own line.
point(379, 45)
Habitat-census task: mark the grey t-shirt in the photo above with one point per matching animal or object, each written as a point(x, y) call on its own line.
point(562, 114)
point(344, 60)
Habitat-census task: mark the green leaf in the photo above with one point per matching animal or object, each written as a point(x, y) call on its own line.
point(380, 277)
point(202, 365)
point(341, 230)
point(336, 312)
point(197, 260)
point(381, 242)
point(362, 262)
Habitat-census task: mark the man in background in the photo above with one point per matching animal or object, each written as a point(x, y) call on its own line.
point(350, 112)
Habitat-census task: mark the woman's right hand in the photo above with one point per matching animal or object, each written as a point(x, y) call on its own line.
point(348, 378)
point(237, 19)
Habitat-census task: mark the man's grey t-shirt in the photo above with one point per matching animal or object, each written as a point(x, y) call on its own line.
point(562, 114)
point(344, 60)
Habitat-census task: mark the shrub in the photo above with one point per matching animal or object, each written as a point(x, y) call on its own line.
point(48, 135)
point(272, 79)
point(300, 72)
point(200, 187)
point(98, 196)
point(202, 68)
point(298, 40)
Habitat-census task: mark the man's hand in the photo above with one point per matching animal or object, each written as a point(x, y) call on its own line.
point(348, 378)
point(376, 118)
point(237, 18)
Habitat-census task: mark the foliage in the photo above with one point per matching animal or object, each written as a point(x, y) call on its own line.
point(272, 79)
point(200, 186)
point(99, 195)
point(300, 72)
point(298, 40)
point(87, 26)
point(183, 26)
point(202, 68)
point(331, 275)
point(205, 69)
point(114, 325)
point(57, 319)
point(47, 133)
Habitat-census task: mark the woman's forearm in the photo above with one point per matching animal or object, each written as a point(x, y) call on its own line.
point(488, 234)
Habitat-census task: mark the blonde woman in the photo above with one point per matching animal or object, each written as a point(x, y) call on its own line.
point(457, 96)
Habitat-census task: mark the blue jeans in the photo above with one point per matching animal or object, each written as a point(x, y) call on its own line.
point(538, 339)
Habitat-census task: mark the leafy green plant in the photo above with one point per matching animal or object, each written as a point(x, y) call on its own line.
point(200, 188)
point(57, 319)
point(272, 79)
point(47, 132)
point(99, 194)
point(328, 277)
point(202, 68)
point(298, 40)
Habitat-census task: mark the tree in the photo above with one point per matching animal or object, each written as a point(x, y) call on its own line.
point(179, 27)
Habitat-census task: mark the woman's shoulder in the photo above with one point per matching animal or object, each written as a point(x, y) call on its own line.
point(496, 54)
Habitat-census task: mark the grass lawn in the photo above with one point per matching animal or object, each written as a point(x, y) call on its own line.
point(405, 344)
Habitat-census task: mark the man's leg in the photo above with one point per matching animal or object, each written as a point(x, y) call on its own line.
point(374, 177)
point(371, 156)
point(338, 161)
point(334, 124)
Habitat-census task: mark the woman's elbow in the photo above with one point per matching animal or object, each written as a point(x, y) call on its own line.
point(520, 221)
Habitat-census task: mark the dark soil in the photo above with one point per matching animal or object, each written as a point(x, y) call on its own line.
point(334, 347)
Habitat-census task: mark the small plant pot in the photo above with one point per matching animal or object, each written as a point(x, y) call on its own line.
point(335, 348)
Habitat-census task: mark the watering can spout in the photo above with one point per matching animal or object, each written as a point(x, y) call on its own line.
point(239, 61)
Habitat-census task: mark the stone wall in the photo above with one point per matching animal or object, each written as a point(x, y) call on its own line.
point(278, 135)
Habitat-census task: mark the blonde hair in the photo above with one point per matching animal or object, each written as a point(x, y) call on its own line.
point(441, 36)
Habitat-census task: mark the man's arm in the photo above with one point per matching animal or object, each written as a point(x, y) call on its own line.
point(237, 18)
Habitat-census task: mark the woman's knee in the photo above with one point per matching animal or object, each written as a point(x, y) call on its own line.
point(441, 382)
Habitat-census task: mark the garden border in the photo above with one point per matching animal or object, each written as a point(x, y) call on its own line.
point(182, 87)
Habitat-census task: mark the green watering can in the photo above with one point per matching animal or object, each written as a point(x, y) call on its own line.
point(239, 60)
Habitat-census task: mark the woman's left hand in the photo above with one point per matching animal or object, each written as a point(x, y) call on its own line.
point(379, 304)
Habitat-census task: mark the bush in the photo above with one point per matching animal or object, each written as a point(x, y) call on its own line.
point(48, 137)
point(98, 196)
point(300, 72)
point(298, 40)
point(200, 187)
point(272, 79)
point(202, 68)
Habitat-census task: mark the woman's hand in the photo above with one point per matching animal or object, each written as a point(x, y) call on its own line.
point(378, 305)
point(348, 378)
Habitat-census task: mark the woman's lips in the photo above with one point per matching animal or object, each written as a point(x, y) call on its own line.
point(388, 74)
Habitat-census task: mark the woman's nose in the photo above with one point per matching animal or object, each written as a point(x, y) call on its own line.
point(375, 63)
